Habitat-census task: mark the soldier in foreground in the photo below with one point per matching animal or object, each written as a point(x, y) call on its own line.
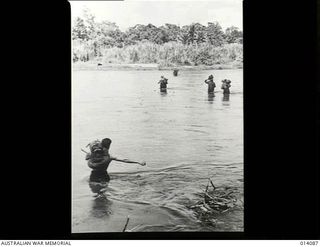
point(99, 160)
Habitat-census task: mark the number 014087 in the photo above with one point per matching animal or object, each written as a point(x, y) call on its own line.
point(309, 243)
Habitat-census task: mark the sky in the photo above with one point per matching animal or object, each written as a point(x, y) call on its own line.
point(128, 13)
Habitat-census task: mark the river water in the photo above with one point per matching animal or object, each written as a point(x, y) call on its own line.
point(185, 135)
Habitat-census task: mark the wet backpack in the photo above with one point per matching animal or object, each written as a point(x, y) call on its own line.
point(95, 147)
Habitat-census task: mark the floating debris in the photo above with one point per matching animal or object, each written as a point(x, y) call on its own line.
point(132, 229)
point(214, 202)
point(125, 227)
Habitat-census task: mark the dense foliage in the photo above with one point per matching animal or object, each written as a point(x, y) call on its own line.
point(193, 44)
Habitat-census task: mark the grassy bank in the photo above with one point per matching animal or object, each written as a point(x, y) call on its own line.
point(146, 55)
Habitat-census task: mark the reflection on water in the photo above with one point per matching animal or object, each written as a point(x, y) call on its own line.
point(183, 141)
point(211, 97)
point(226, 100)
point(101, 206)
point(225, 97)
point(98, 183)
point(163, 91)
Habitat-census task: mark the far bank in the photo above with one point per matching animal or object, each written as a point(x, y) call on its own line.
point(113, 66)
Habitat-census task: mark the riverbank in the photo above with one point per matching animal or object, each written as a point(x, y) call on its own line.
point(114, 66)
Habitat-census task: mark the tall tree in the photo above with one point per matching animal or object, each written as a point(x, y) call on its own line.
point(233, 35)
point(79, 30)
point(160, 37)
point(200, 33)
point(191, 34)
point(171, 31)
point(89, 20)
point(215, 35)
point(108, 34)
point(184, 35)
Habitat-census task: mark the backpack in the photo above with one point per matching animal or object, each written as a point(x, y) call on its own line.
point(95, 147)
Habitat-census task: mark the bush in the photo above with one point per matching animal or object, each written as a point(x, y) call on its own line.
point(168, 54)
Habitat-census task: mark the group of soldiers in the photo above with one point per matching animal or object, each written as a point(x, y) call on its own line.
point(99, 158)
point(226, 84)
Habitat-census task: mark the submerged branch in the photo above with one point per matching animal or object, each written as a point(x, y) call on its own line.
point(214, 202)
point(125, 227)
point(214, 187)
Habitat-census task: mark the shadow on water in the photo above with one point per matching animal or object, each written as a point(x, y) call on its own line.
point(101, 206)
point(226, 100)
point(163, 91)
point(98, 183)
point(226, 97)
point(211, 97)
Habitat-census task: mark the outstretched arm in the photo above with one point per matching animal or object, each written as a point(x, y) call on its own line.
point(143, 163)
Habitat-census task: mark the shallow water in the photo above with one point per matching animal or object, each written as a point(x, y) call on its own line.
point(185, 135)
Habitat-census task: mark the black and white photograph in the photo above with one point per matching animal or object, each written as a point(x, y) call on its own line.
point(157, 116)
